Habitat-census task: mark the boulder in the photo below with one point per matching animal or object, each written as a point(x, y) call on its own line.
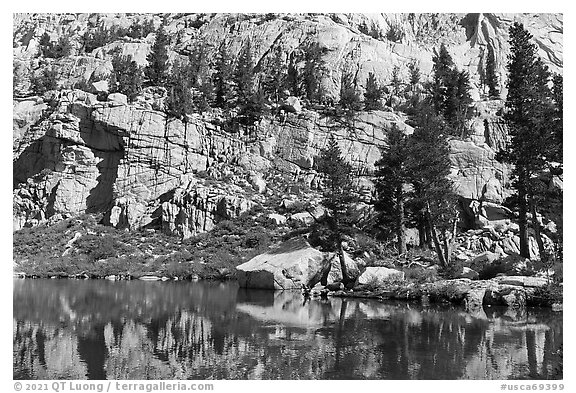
point(100, 86)
point(379, 276)
point(482, 260)
point(509, 246)
point(475, 299)
point(513, 297)
point(289, 266)
point(257, 182)
point(468, 273)
point(523, 281)
point(335, 274)
point(118, 98)
point(278, 219)
point(292, 104)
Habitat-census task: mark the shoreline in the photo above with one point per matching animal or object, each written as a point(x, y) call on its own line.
point(516, 292)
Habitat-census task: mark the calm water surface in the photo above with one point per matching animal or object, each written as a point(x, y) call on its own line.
point(66, 329)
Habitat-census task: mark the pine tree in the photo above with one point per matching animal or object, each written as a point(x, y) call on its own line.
point(558, 130)
point(244, 75)
point(180, 100)
point(529, 113)
point(312, 73)
point(292, 82)
point(338, 194)
point(373, 94)
point(450, 92)
point(46, 81)
point(274, 80)
point(349, 97)
point(201, 81)
point(127, 77)
point(224, 89)
point(491, 79)
point(45, 44)
point(396, 81)
point(157, 69)
point(433, 201)
point(393, 176)
point(414, 72)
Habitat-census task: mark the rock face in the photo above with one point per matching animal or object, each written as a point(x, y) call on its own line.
point(290, 266)
point(74, 153)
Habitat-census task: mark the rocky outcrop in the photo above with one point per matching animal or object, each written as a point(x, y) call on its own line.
point(74, 153)
point(507, 291)
point(379, 276)
point(292, 265)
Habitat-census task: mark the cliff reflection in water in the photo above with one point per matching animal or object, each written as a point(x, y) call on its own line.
point(67, 329)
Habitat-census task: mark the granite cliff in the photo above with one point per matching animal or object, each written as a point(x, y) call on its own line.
point(77, 152)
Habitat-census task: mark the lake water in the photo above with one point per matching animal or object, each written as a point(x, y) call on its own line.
point(68, 329)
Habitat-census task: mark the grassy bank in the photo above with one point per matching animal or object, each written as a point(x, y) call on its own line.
point(82, 247)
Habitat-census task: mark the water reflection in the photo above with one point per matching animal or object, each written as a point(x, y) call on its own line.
point(67, 329)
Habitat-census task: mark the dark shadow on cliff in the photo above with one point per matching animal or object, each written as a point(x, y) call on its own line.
point(30, 162)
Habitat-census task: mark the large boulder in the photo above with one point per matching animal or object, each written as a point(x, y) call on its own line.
point(290, 266)
point(379, 276)
point(482, 260)
point(335, 275)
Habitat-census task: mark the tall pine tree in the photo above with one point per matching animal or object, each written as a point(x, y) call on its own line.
point(156, 71)
point(491, 79)
point(433, 201)
point(338, 195)
point(224, 89)
point(373, 94)
point(529, 114)
point(393, 175)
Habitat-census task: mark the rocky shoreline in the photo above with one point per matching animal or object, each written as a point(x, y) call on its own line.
point(515, 292)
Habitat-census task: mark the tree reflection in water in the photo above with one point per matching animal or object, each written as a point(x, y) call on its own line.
point(66, 329)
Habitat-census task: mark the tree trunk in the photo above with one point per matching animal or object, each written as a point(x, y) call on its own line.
point(537, 232)
point(345, 278)
point(400, 226)
point(422, 232)
point(523, 218)
point(449, 243)
point(436, 240)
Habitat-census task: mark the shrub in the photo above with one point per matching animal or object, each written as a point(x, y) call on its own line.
point(127, 77)
point(420, 275)
point(61, 48)
point(395, 33)
point(257, 237)
point(47, 80)
point(546, 296)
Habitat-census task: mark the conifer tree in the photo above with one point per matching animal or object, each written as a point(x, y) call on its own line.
point(274, 80)
point(244, 75)
point(127, 77)
point(349, 97)
point(491, 79)
point(529, 114)
point(393, 175)
point(312, 73)
point(338, 195)
point(180, 100)
point(450, 92)
point(433, 200)
point(224, 89)
point(414, 72)
point(292, 83)
point(530, 109)
point(157, 69)
point(373, 94)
